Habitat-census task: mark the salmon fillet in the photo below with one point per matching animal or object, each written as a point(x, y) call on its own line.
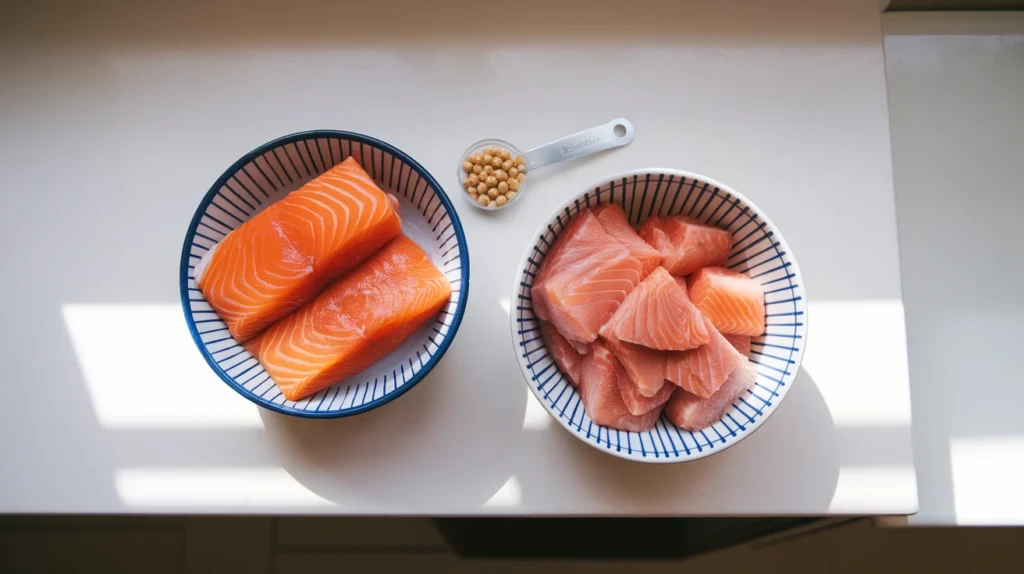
point(581, 348)
point(685, 244)
point(557, 257)
point(740, 342)
point(599, 390)
point(588, 275)
point(681, 281)
point(692, 413)
point(702, 371)
point(732, 301)
point(354, 322)
point(658, 315)
point(567, 358)
point(644, 367)
point(277, 260)
point(614, 221)
point(638, 404)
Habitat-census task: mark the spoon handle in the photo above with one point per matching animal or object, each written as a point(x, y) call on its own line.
point(615, 133)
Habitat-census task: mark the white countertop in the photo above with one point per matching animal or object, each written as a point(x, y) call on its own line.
point(116, 119)
point(956, 88)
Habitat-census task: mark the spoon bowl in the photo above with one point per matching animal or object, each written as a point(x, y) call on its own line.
point(616, 133)
point(478, 147)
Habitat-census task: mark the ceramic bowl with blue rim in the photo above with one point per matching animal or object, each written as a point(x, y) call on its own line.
point(267, 174)
point(759, 251)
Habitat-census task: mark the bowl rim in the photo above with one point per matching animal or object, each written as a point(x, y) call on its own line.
point(460, 237)
point(783, 244)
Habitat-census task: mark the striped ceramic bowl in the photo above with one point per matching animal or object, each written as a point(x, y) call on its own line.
point(267, 174)
point(759, 251)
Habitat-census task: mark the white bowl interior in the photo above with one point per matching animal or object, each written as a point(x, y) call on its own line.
point(283, 166)
point(759, 251)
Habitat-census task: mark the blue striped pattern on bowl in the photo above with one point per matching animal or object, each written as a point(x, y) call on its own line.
point(267, 174)
point(759, 251)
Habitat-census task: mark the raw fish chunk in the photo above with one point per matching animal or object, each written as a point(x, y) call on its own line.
point(349, 326)
point(732, 301)
point(284, 255)
point(615, 223)
point(703, 370)
point(685, 244)
point(636, 402)
point(581, 348)
point(557, 257)
point(658, 315)
point(569, 361)
point(740, 342)
point(589, 275)
point(644, 367)
point(599, 390)
point(692, 413)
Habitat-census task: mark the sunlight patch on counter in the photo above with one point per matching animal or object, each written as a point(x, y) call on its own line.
point(857, 356)
point(988, 473)
point(536, 416)
point(142, 369)
point(510, 495)
point(861, 489)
